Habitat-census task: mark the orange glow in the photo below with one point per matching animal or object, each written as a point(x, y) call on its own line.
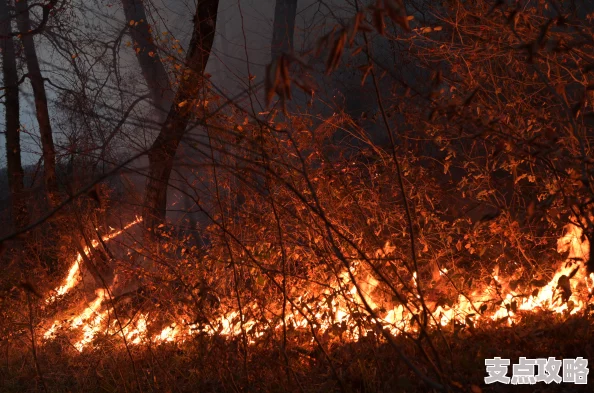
point(333, 311)
point(73, 273)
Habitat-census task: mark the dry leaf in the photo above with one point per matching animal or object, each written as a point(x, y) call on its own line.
point(396, 12)
point(378, 21)
point(357, 51)
point(335, 55)
point(356, 24)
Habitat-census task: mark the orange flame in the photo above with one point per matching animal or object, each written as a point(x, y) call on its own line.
point(337, 311)
point(73, 273)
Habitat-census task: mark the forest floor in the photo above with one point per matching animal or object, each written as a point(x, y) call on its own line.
point(211, 364)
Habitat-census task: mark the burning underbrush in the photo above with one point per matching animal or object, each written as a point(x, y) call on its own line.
point(216, 364)
point(325, 299)
point(310, 271)
point(348, 304)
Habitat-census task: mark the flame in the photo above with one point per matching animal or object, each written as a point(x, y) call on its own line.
point(169, 334)
point(73, 277)
point(82, 319)
point(336, 312)
point(135, 332)
point(89, 326)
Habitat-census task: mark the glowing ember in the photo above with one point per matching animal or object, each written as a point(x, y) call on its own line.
point(562, 294)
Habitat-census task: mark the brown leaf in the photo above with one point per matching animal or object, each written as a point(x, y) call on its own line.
point(397, 13)
point(356, 24)
point(531, 209)
point(366, 69)
point(378, 20)
point(357, 51)
point(334, 58)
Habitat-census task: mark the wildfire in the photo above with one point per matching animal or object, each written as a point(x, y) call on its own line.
point(73, 273)
point(564, 293)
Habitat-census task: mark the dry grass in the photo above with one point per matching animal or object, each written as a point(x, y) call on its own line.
point(211, 364)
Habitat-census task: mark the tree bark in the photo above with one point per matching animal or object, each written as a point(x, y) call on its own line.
point(147, 53)
point(285, 12)
point(163, 150)
point(41, 108)
point(12, 132)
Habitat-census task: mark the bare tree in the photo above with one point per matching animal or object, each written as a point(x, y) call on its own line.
point(285, 12)
point(163, 150)
point(147, 54)
point(11, 103)
point(41, 107)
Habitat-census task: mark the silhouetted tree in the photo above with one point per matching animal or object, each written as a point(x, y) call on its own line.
point(147, 54)
point(163, 150)
point(41, 107)
point(12, 117)
point(283, 28)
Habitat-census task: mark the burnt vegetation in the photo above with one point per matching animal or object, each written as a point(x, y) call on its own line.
point(396, 191)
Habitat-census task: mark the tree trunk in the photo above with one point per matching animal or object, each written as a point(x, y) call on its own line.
point(163, 151)
point(285, 12)
point(11, 103)
point(147, 53)
point(42, 112)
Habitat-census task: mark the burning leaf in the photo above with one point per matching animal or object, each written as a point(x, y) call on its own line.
point(378, 19)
